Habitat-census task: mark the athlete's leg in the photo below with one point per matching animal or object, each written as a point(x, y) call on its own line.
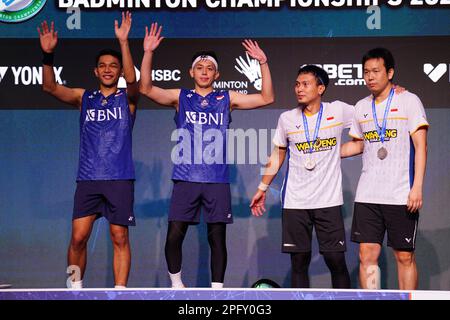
point(122, 254)
point(368, 265)
point(173, 250)
point(81, 230)
point(339, 273)
point(407, 269)
point(217, 243)
point(300, 264)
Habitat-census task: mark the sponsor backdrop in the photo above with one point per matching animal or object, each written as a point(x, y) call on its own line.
point(39, 135)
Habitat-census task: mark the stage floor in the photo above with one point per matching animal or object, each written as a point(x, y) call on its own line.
point(220, 294)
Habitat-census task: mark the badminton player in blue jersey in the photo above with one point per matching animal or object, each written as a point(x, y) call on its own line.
point(200, 175)
point(105, 180)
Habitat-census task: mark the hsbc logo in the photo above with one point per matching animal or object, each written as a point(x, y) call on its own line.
point(435, 73)
point(346, 74)
point(161, 75)
point(28, 75)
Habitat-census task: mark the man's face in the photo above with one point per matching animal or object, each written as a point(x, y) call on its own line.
point(108, 70)
point(204, 73)
point(306, 88)
point(376, 76)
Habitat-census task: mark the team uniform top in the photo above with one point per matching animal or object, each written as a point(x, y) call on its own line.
point(106, 125)
point(387, 181)
point(202, 123)
point(322, 186)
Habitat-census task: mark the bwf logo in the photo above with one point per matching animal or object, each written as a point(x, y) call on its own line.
point(435, 73)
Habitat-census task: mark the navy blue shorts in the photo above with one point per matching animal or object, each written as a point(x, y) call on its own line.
point(112, 199)
point(189, 197)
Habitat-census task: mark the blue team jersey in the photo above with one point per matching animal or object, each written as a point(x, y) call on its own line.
point(203, 120)
point(106, 126)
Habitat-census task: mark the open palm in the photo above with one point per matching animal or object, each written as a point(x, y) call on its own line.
point(125, 27)
point(153, 38)
point(254, 50)
point(48, 37)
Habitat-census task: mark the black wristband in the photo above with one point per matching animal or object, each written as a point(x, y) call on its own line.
point(47, 58)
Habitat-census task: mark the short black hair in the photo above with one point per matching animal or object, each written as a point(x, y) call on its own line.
point(205, 53)
point(320, 74)
point(109, 52)
point(380, 53)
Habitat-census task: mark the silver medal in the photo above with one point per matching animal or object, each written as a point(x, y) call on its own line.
point(382, 153)
point(310, 164)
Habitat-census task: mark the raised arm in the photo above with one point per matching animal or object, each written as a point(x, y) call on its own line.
point(167, 97)
point(266, 96)
point(127, 60)
point(48, 38)
point(257, 205)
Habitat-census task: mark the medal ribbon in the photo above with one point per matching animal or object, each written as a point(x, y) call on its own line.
point(382, 130)
point(316, 130)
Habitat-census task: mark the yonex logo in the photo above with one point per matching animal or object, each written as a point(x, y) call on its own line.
point(408, 240)
point(366, 115)
point(341, 243)
point(2, 72)
point(435, 73)
point(130, 218)
point(30, 75)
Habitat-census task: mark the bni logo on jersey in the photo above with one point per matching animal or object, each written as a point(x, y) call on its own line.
point(19, 10)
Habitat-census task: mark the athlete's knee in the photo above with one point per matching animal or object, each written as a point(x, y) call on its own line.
point(368, 256)
point(335, 261)
point(217, 236)
point(79, 241)
point(119, 238)
point(405, 258)
point(300, 261)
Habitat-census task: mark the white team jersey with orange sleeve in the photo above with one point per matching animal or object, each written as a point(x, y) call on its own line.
point(388, 181)
point(322, 186)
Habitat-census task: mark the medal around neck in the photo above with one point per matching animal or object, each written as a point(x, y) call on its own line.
point(382, 153)
point(310, 164)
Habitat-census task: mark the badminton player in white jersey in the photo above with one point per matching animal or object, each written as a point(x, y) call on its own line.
point(310, 136)
point(390, 130)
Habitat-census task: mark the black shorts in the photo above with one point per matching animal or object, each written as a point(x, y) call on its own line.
point(112, 199)
point(189, 197)
point(298, 226)
point(370, 222)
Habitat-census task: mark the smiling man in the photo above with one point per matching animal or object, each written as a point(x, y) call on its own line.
point(105, 180)
point(200, 183)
